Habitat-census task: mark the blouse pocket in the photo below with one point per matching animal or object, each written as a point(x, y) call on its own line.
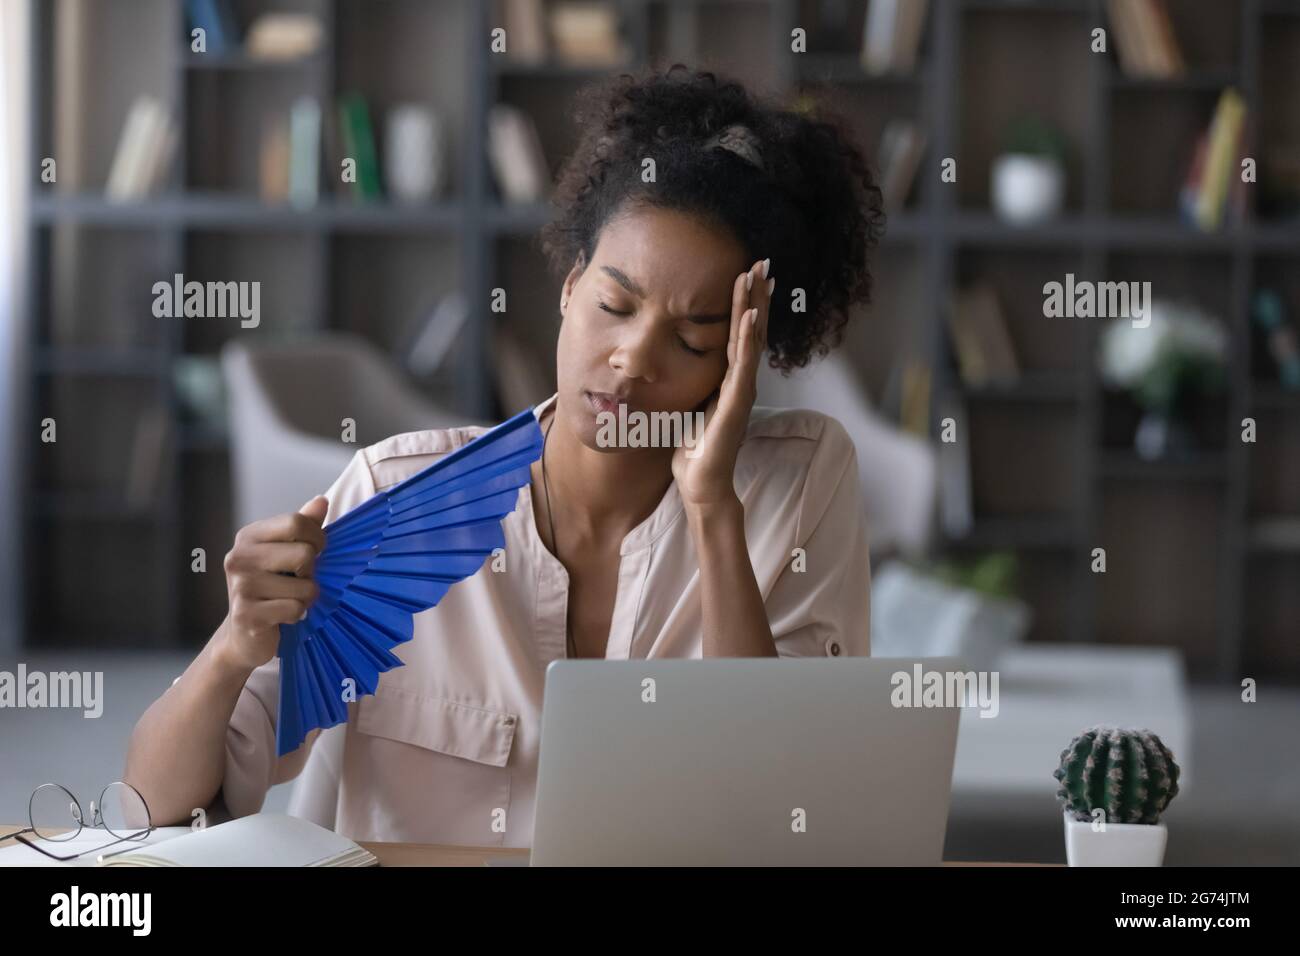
point(433, 770)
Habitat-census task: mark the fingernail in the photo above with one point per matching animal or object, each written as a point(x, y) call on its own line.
point(771, 284)
point(767, 264)
point(302, 615)
point(749, 281)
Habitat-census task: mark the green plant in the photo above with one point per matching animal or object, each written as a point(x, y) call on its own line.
point(993, 574)
point(1180, 354)
point(1034, 136)
point(1130, 775)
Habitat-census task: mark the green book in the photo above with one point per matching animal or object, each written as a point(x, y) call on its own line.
point(359, 144)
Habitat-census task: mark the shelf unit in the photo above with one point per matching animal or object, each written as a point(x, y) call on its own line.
point(962, 92)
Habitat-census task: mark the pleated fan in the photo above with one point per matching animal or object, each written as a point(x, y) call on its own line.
point(389, 558)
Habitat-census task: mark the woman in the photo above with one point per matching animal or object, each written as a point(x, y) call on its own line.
point(698, 228)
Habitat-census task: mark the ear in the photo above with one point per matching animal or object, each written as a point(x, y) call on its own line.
point(566, 291)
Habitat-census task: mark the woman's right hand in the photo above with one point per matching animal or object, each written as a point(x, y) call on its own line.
point(261, 598)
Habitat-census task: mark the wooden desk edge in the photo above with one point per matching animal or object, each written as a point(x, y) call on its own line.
point(442, 854)
point(435, 854)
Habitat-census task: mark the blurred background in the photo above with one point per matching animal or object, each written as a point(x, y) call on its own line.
point(1105, 511)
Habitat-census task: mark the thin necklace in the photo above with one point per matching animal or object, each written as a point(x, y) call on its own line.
point(550, 517)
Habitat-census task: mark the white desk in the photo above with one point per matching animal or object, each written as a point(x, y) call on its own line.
point(1049, 693)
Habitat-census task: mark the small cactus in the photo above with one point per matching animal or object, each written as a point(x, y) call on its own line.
point(1129, 774)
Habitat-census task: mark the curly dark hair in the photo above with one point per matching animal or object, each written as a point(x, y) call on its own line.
point(814, 207)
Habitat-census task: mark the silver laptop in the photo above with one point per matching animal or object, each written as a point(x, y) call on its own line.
point(742, 761)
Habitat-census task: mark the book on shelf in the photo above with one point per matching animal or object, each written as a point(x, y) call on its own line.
point(1213, 190)
point(1171, 53)
point(585, 33)
point(956, 510)
point(289, 155)
point(216, 19)
point(1124, 37)
point(149, 450)
point(1268, 313)
point(283, 35)
point(1187, 195)
point(515, 149)
point(902, 145)
point(914, 405)
point(525, 26)
point(273, 160)
point(356, 135)
point(144, 150)
point(159, 157)
point(1239, 193)
point(332, 144)
point(981, 339)
point(128, 159)
point(1145, 40)
point(891, 35)
point(304, 152)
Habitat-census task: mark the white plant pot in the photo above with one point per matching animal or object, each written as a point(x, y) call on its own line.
point(1119, 844)
point(1026, 189)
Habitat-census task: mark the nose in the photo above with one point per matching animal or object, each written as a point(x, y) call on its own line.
point(634, 356)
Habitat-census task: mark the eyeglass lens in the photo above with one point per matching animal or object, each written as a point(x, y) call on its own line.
point(55, 813)
point(122, 810)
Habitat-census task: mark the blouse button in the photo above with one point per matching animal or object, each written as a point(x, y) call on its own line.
point(832, 647)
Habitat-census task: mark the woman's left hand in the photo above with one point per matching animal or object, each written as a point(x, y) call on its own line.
point(705, 473)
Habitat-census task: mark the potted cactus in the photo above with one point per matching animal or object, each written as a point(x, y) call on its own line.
point(1114, 784)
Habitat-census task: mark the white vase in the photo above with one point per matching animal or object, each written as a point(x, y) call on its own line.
point(414, 153)
point(1119, 844)
point(1026, 189)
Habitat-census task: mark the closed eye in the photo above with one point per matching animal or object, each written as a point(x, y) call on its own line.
point(681, 341)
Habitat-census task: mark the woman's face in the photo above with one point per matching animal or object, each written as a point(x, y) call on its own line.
point(648, 318)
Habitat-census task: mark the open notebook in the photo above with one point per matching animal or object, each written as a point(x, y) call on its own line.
point(261, 839)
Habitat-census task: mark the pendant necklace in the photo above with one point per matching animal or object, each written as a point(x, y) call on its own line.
point(550, 517)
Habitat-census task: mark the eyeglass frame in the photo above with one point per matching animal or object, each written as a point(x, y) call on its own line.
point(97, 822)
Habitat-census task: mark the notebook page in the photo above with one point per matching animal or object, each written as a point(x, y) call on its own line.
point(260, 839)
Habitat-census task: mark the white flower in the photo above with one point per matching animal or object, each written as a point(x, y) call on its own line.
point(1128, 352)
point(1196, 333)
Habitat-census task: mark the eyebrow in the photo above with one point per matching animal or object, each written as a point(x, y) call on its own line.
point(623, 279)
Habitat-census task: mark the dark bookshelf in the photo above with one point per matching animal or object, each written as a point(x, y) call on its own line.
point(980, 62)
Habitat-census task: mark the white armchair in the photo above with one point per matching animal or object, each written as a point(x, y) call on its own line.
point(287, 405)
point(897, 471)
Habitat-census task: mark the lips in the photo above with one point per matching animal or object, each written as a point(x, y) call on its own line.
point(605, 402)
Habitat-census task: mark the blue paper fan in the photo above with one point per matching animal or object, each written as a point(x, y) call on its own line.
point(389, 558)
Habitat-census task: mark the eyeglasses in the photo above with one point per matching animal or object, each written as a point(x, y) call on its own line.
point(55, 815)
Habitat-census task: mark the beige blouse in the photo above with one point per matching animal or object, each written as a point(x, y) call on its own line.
point(446, 750)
